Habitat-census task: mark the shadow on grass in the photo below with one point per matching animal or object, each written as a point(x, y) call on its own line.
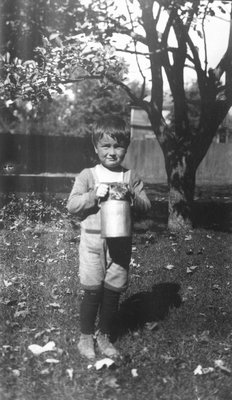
point(147, 306)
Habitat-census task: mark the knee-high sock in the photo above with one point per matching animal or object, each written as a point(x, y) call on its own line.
point(108, 310)
point(88, 310)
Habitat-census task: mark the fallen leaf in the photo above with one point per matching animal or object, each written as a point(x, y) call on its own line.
point(188, 237)
point(70, 373)
point(152, 325)
point(203, 371)
point(7, 283)
point(22, 313)
point(37, 349)
point(133, 263)
point(22, 304)
point(61, 251)
point(50, 260)
point(39, 334)
point(191, 269)
point(167, 358)
point(105, 362)
point(134, 372)
point(53, 305)
point(170, 266)
point(52, 361)
point(216, 287)
point(7, 347)
point(45, 371)
point(16, 372)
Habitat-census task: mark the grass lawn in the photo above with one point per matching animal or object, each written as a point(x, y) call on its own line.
point(181, 354)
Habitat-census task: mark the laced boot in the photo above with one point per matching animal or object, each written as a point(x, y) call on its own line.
point(105, 346)
point(86, 346)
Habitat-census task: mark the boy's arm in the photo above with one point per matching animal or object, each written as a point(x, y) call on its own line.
point(83, 195)
point(141, 203)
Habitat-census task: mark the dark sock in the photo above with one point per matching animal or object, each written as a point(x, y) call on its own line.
point(88, 310)
point(108, 310)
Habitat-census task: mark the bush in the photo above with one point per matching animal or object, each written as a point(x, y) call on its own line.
point(33, 207)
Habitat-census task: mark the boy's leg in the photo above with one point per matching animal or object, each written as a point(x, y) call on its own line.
point(118, 258)
point(91, 278)
point(88, 314)
point(108, 313)
point(88, 310)
point(108, 310)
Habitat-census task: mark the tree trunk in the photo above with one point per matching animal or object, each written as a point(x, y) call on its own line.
point(181, 181)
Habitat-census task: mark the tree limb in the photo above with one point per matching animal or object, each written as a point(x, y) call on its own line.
point(81, 78)
point(204, 35)
point(133, 52)
point(137, 100)
point(129, 32)
point(135, 43)
point(196, 60)
point(155, 57)
point(194, 11)
point(225, 63)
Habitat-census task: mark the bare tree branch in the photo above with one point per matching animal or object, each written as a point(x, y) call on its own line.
point(137, 100)
point(168, 27)
point(196, 60)
point(204, 36)
point(135, 44)
point(225, 63)
point(155, 57)
point(133, 52)
point(81, 78)
point(194, 11)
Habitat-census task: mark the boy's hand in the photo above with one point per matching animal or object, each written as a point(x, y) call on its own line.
point(102, 190)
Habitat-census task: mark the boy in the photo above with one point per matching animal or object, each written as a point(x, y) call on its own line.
point(104, 263)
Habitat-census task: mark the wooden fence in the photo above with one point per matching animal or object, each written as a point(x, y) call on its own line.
point(49, 163)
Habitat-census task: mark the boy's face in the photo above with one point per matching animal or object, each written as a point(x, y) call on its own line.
point(110, 152)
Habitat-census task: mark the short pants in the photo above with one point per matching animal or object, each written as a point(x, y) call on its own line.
point(104, 262)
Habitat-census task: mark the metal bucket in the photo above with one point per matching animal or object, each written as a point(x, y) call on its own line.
point(116, 213)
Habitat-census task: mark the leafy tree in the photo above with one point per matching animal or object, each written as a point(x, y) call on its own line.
point(26, 24)
point(149, 28)
point(74, 112)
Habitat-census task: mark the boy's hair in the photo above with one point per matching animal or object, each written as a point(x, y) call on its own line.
point(113, 126)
